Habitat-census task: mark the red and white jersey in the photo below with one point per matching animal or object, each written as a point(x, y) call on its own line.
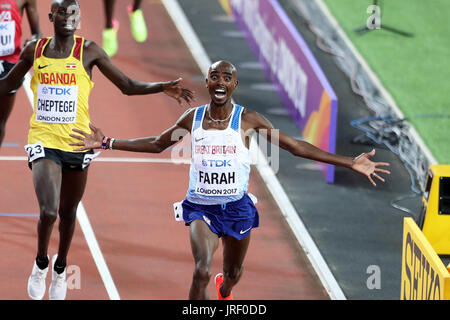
point(10, 31)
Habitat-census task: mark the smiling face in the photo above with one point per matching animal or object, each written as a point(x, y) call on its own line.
point(65, 15)
point(221, 82)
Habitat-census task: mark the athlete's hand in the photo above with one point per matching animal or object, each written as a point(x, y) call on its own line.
point(363, 165)
point(88, 141)
point(178, 92)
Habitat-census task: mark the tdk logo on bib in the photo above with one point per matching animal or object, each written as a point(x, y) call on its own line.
point(216, 163)
point(56, 91)
point(56, 104)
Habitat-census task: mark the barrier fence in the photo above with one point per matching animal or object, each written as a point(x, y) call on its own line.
point(424, 276)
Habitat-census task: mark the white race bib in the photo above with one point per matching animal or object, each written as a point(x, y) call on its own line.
point(217, 177)
point(56, 104)
point(35, 151)
point(178, 211)
point(88, 157)
point(7, 38)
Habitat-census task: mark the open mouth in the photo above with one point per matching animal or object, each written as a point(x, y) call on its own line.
point(69, 26)
point(220, 93)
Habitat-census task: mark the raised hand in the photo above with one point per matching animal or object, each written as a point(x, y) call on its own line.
point(178, 92)
point(370, 169)
point(88, 141)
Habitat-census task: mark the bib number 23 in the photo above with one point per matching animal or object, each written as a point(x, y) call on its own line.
point(34, 151)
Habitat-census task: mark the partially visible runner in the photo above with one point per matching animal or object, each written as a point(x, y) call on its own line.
point(61, 84)
point(137, 24)
point(217, 204)
point(11, 12)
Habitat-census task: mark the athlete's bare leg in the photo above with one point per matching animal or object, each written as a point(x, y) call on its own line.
point(72, 190)
point(203, 243)
point(137, 5)
point(109, 12)
point(47, 178)
point(234, 252)
point(5, 111)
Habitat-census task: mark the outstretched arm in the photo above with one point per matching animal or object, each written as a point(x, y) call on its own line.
point(132, 87)
point(157, 144)
point(33, 19)
point(361, 164)
point(15, 76)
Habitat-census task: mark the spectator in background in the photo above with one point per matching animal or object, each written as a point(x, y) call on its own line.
point(11, 12)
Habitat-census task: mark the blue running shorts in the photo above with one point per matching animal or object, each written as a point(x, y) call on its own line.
point(234, 219)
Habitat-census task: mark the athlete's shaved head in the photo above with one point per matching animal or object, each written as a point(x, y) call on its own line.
point(65, 16)
point(222, 64)
point(221, 82)
point(57, 3)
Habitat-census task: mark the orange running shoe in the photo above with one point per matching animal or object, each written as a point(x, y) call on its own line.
point(219, 280)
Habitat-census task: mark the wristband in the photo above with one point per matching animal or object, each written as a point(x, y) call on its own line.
point(106, 142)
point(111, 143)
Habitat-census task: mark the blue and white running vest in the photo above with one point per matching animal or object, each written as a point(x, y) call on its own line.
point(220, 164)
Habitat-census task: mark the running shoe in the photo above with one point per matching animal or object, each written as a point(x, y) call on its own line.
point(36, 282)
point(219, 280)
point(137, 23)
point(58, 287)
point(110, 43)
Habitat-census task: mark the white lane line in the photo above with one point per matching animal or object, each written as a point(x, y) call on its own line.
point(100, 262)
point(144, 160)
point(266, 172)
point(113, 159)
point(13, 158)
point(28, 91)
point(85, 226)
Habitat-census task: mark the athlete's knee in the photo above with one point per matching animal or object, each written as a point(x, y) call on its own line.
point(48, 215)
point(202, 273)
point(68, 215)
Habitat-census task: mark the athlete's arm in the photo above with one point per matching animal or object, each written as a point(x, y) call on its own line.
point(299, 148)
point(33, 19)
point(15, 76)
point(148, 144)
point(99, 58)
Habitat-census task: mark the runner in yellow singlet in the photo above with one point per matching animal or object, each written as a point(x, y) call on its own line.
point(61, 84)
point(61, 90)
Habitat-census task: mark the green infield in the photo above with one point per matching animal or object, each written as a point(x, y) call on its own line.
point(415, 70)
